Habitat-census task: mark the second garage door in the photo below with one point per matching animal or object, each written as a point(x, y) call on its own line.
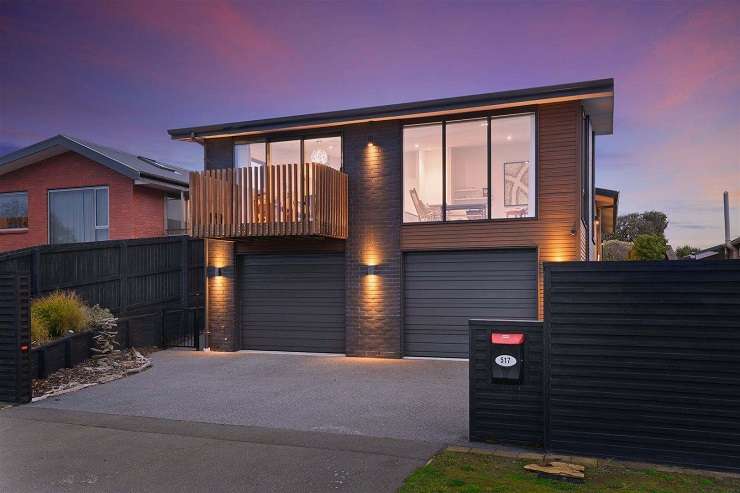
point(292, 302)
point(445, 289)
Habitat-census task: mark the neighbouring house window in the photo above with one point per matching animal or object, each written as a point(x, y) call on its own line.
point(250, 155)
point(513, 166)
point(422, 173)
point(78, 215)
point(472, 169)
point(326, 150)
point(13, 210)
point(466, 170)
point(285, 152)
point(175, 215)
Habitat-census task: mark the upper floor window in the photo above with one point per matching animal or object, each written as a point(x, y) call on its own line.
point(13, 210)
point(250, 155)
point(78, 215)
point(463, 170)
point(322, 150)
point(325, 150)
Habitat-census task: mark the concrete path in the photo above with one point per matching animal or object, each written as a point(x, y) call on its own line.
point(421, 400)
point(48, 450)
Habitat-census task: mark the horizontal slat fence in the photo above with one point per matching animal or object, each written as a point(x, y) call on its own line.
point(642, 361)
point(307, 199)
point(15, 363)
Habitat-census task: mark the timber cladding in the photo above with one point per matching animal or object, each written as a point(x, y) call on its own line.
point(642, 361)
point(558, 202)
point(15, 364)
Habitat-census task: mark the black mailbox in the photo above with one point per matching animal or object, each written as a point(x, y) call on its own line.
point(507, 357)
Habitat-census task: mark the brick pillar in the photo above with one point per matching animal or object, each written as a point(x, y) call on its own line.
point(223, 332)
point(373, 302)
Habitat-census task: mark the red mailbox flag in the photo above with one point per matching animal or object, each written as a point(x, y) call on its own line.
point(511, 339)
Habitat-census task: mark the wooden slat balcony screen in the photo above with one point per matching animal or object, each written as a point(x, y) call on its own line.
point(278, 200)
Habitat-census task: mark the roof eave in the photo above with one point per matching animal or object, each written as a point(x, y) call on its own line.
point(581, 90)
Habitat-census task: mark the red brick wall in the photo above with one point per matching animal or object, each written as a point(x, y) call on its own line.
point(148, 212)
point(70, 170)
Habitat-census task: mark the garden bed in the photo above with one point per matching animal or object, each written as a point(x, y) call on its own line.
point(92, 372)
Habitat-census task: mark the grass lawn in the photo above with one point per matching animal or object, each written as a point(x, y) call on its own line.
point(473, 473)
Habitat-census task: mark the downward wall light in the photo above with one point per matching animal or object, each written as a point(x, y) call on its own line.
point(219, 271)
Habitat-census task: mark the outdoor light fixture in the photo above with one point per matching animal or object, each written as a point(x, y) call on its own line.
point(371, 270)
point(370, 140)
point(218, 271)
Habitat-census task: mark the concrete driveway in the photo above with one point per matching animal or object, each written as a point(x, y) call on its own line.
point(239, 422)
point(409, 399)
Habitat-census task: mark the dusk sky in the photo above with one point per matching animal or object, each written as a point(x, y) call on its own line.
point(121, 73)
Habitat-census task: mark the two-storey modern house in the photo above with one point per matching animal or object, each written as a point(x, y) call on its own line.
point(380, 231)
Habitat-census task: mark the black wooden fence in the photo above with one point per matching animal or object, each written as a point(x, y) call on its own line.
point(126, 276)
point(641, 361)
point(154, 285)
point(15, 340)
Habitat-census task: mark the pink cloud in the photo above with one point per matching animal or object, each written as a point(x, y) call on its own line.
point(697, 58)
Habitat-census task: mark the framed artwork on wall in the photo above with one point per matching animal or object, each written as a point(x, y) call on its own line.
point(516, 184)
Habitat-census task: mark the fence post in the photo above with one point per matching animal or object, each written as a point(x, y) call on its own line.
point(123, 278)
point(184, 246)
point(36, 272)
point(164, 329)
point(546, 359)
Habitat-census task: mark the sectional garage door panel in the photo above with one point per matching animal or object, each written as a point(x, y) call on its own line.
point(292, 302)
point(443, 290)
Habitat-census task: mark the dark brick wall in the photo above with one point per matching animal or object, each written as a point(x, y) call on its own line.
point(373, 303)
point(221, 309)
point(218, 153)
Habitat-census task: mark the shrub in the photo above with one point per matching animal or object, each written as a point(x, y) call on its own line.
point(58, 312)
point(39, 330)
point(99, 318)
point(616, 250)
point(648, 247)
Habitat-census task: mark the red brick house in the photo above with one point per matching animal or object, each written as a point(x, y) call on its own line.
point(66, 190)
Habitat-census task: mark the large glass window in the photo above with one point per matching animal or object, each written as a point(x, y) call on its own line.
point(285, 152)
point(326, 150)
point(250, 155)
point(78, 215)
point(13, 210)
point(461, 192)
point(422, 173)
point(467, 170)
point(513, 166)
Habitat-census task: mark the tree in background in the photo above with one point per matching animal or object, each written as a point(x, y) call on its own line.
point(630, 226)
point(685, 251)
point(616, 250)
point(648, 247)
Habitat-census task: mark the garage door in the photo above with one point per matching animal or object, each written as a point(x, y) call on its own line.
point(292, 302)
point(445, 289)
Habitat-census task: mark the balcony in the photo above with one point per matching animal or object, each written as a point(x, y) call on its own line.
point(279, 200)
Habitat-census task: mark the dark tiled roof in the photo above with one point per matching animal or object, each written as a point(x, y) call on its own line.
point(133, 166)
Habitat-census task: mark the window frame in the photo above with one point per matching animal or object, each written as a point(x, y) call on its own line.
point(73, 189)
point(488, 115)
point(301, 137)
point(184, 229)
point(23, 228)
